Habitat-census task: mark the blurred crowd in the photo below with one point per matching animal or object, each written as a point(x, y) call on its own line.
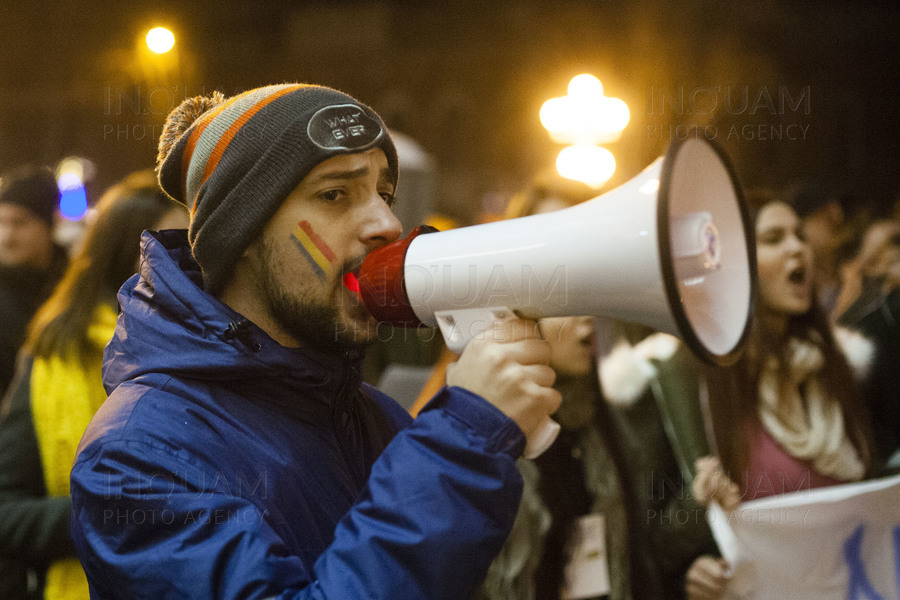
point(59, 309)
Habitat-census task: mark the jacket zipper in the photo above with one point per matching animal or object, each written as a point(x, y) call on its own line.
point(343, 419)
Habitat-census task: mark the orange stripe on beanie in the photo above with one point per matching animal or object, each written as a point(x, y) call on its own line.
point(223, 142)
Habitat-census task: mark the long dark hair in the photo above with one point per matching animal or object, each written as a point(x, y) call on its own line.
point(734, 391)
point(106, 258)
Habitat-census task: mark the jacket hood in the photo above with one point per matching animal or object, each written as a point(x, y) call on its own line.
point(169, 325)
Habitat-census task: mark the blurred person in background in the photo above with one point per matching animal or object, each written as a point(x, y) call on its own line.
point(665, 395)
point(826, 227)
point(59, 388)
point(31, 263)
point(788, 415)
point(872, 307)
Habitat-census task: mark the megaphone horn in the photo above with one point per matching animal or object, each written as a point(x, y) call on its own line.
point(671, 249)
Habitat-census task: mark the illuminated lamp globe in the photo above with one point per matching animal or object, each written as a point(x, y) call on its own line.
point(160, 40)
point(585, 86)
point(592, 165)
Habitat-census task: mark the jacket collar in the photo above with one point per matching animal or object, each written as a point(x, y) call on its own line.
point(170, 325)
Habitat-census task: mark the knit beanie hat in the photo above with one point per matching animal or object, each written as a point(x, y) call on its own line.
point(233, 161)
point(32, 187)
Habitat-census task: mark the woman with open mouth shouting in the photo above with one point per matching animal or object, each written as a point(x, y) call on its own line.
point(787, 417)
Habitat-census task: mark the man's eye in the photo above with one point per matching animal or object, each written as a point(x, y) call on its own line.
point(389, 198)
point(331, 195)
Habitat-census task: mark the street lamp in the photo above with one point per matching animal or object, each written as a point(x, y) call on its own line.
point(593, 165)
point(160, 40)
point(585, 118)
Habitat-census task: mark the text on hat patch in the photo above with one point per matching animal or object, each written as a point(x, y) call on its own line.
point(343, 127)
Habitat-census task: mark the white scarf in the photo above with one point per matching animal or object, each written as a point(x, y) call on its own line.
point(810, 428)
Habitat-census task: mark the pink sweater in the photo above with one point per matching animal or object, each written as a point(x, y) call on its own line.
point(772, 470)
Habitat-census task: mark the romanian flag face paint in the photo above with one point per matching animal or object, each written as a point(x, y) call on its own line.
point(314, 248)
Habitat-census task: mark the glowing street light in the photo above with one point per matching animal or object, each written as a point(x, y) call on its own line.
point(160, 40)
point(585, 118)
point(593, 165)
point(585, 115)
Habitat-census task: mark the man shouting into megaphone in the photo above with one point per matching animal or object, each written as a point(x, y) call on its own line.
point(239, 454)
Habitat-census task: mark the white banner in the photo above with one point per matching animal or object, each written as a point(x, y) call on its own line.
point(835, 543)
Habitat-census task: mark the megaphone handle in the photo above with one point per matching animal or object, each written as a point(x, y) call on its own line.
point(459, 327)
point(542, 439)
point(462, 325)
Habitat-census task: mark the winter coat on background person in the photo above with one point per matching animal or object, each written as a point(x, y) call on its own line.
point(654, 392)
point(59, 387)
point(872, 299)
point(877, 315)
point(22, 291)
point(51, 402)
point(588, 472)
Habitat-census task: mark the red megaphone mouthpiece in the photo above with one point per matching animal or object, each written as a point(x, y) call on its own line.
point(381, 282)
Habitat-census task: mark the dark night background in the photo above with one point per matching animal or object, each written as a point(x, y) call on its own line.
point(466, 80)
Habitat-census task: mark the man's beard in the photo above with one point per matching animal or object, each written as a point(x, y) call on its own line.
point(313, 323)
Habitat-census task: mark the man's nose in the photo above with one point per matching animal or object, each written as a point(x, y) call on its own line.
point(382, 226)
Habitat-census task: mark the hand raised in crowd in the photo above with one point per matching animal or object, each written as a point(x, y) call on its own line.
point(508, 365)
point(707, 578)
point(712, 484)
point(708, 575)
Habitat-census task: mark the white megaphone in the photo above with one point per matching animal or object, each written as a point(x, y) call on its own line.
point(670, 249)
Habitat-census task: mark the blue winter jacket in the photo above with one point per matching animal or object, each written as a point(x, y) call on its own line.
point(224, 465)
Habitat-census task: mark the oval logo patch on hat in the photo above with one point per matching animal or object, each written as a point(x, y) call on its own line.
point(342, 127)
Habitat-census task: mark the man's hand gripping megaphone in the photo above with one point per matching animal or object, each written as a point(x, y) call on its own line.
point(503, 357)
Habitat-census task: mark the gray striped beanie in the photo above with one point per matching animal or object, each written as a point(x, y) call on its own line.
point(238, 161)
